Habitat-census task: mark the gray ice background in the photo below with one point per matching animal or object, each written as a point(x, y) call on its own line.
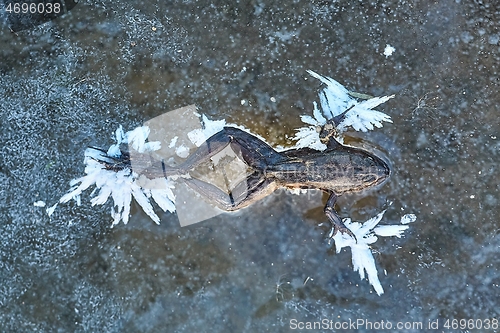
point(69, 83)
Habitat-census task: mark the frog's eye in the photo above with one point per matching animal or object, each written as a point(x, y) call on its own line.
point(318, 129)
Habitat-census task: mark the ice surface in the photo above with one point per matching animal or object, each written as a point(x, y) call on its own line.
point(65, 84)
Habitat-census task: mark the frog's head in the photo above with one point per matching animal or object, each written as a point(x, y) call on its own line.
point(369, 169)
point(357, 170)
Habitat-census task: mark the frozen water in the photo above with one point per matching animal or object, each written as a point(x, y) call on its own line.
point(389, 50)
point(362, 258)
point(335, 99)
point(122, 185)
point(408, 218)
point(39, 203)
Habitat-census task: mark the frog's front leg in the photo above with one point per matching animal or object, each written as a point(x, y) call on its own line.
point(328, 132)
point(334, 217)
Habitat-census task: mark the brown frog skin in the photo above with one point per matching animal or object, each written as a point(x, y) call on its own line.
point(338, 169)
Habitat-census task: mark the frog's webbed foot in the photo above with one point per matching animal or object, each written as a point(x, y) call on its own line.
point(114, 163)
point(337, 224)
point(335, 219)
point(340, 226)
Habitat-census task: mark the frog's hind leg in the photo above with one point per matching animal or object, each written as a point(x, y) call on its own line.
point(255, 152)
point(204, 153)
point(213, 145)
point(242, 195)
point(335, 219)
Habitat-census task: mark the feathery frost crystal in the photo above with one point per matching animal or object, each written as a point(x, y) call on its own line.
point(334, 100)
point(122, 185)
point(366, 234)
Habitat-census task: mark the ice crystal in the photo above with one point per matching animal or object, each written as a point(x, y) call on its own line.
point(389, 50)
point(335, 99)
point(366, 234)
point(309, 136)
point(124, 184)
point(210, 127)
point(408, 218)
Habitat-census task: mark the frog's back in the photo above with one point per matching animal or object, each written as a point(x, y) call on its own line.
point(341, 170)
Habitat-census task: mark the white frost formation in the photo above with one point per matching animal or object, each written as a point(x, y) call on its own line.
point(122, 185)
point(210, 127)
point(408, 218)
point(366, 234)
point(334, 100)
point(389, 50)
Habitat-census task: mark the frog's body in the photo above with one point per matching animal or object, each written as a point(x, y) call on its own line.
point(338, 169)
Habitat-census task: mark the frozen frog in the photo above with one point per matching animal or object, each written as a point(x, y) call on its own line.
point(338, 169)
